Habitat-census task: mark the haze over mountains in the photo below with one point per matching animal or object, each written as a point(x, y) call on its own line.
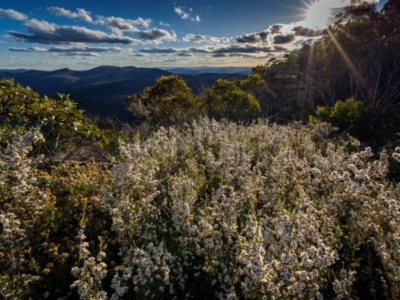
point(103, 90)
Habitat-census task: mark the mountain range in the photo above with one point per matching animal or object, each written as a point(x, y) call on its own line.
point(103, 90)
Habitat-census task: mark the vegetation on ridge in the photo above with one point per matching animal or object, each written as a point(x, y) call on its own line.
point(210, 202)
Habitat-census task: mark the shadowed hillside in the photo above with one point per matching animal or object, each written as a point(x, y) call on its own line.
point(103, 90)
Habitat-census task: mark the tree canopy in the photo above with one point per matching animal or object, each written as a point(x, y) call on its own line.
point(170, 101)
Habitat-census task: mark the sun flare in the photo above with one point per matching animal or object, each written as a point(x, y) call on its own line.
point(319, 14)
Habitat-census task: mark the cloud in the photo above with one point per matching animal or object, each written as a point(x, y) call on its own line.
point(187, 15)
point(200, 38)
point(48, 33)
point(69, 51)
point(85, 49)
point(138, 55)
point(307, 32)
point(157, 35)
point(284, 39)
point(252, 37)
point(78, 54)
point(240, 49)
point(160, 50)
point(12, 14)
point(181, 13)
point(164, 24)
point(121, 24)
point(19, 49)
point(80, 14)
point(183, 54)
point(213, 49)
point(31, 49)
point(276, 28)
point(261, 36)
point(219, 55)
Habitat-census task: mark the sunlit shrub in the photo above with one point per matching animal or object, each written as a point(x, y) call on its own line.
point(257, 212)
point(343, 114)
point(213, 211)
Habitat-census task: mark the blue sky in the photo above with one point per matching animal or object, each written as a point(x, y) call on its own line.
point(83, 34)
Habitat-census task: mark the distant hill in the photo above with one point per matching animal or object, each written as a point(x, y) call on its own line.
point(103, 90)
point(218, 70)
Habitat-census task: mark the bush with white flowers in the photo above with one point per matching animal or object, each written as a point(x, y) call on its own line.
point(226, 211)
point(215, 210)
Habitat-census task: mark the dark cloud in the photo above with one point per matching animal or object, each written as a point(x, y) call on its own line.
point(219, 55)
point(183, 54)
point(275, 28)
point(156, 35)
point(80, 54)
point(200, 38)
point(248, 38)
point(284, 39)
point(307, 32)
point(12, 14)
point(47, 33)
point(138, 55)
point(257, 37)
point(19, 49)
point(161, 50)
point(254, 37)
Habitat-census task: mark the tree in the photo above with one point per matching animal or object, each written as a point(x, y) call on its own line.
point(227, 100)
point(344, 114)
point(169, 102)
point(65, 127)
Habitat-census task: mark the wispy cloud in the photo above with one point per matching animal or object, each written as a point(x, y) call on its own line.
point(187, 15)
point(121, 24)
point(48, 33)
point(79, 14)
point(164, 24)
point(12, 14)
point(74, 52)
point(181, 13)
point(214, 49)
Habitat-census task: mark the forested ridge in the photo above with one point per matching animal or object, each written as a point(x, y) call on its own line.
point(280, 185)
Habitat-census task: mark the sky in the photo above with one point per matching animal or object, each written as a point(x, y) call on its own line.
point(54, 34)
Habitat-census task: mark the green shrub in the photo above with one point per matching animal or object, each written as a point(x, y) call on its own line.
point(343, 114)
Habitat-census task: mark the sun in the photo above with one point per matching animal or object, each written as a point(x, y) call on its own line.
point(319, 14)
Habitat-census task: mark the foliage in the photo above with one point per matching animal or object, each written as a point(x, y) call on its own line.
point(343, 114)
point(40, 213)
point(216, 210)
point(357, 57)
point(226, 99)
point(170, 101)
point(63, 124)
point(234, 212)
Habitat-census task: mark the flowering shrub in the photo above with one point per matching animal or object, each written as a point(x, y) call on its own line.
point(212, 211)
point(21, 206)
point(226, 211)
point(41, 210)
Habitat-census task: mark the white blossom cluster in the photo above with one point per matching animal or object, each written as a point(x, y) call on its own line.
point(247, 212)
point(91, 273)
point(20, 207)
